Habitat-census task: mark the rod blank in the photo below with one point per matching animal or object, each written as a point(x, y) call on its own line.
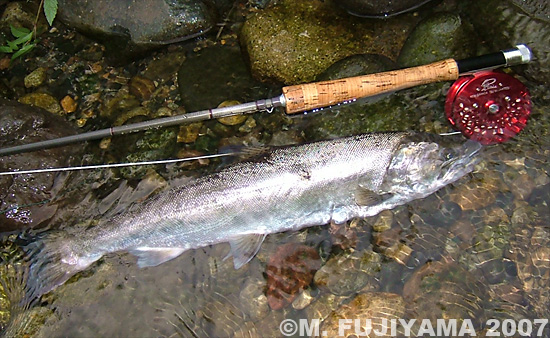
point(304, 97)
point(208, 114)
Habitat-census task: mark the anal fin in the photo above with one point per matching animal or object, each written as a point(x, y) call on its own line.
point(148, 256)
point(244, 248)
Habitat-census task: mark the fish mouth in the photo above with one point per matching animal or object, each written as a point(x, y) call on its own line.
point(454, 168)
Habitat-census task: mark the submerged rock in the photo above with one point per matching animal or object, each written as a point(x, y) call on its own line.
point(24, 198)
point(234, 119)
point(378, 307)
point(481, 193)
point(346, 273)
point(127, 27)
point(355, 65)
point(42, 100)
point(289, 271)
point(531, 252)
point(441, 36)
point(295, 40)
point(504, 24)
point(253, 299)
point(537, 9)
point(36, 78)
point(202, 86)
point(443, 289)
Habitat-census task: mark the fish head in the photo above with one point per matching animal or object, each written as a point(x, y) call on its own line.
point(424, 163)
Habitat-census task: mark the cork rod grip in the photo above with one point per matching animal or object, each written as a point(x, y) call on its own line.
point(304, 97)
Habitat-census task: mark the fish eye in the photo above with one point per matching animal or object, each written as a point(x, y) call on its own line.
point(448, 154)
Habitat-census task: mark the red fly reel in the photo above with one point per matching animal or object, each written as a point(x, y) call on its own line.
point(489, 107)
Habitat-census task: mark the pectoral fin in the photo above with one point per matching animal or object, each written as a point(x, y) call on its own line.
point(366, 197)
point(148, 256)
point(244, 248)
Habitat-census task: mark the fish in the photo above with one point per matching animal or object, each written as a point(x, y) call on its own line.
point(271, 190)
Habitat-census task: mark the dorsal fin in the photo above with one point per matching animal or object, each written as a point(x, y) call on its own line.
point(245, 152)
point(252, 152)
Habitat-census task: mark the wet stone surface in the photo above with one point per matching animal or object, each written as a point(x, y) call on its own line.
point(360, 269)
point(438, 37)
point(291, 42)
point(518, 22)
point(379, 307)
point(24, 197)
point(289, 271)
point(128, 28)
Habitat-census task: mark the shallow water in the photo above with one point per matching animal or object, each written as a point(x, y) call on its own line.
point(484, 243)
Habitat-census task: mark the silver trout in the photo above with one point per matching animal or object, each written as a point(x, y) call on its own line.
point(280, 189)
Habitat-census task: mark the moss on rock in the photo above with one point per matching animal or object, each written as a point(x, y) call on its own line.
point(296, 40)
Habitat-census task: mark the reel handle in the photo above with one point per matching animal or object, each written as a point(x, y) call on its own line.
point(311, 96)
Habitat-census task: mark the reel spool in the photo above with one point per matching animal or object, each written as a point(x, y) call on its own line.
point(489, 107)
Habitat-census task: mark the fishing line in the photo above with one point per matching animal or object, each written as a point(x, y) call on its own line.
point(114, 165)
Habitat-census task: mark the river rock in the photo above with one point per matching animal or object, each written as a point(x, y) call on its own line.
point(440, 36)
point(382, 9)
point(355, 65)
point(347, 273)
point(295, 40)
point(531, 252)
point(17, 14)
point(289, 270)
point(504, 24)
point(444, 289)
point(36, 78)
point(253, 299)
point(203, 86)
point(128, 27)
point(380, 308)
point(24, 198)
point(538, 9)
point(41, 100)
point(480, 193)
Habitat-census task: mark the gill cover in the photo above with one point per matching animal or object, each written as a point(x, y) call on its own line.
point(424, 163)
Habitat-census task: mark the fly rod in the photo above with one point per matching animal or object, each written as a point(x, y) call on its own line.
point(312, 96)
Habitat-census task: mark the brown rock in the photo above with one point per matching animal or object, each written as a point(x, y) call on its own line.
point(289, 271)
point(141, 87)
point(69, 104)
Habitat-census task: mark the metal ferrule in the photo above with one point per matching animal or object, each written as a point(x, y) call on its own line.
point(517, 56)
point(249, 107)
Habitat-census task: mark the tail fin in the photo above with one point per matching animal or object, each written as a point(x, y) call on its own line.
point(49, 256)
point(12, 289)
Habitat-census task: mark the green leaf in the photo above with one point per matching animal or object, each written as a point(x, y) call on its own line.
point(19, 31)
point(6, 49)
point(23, 39)
point(12, 45)
point(50, 10)
point(23, 50)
